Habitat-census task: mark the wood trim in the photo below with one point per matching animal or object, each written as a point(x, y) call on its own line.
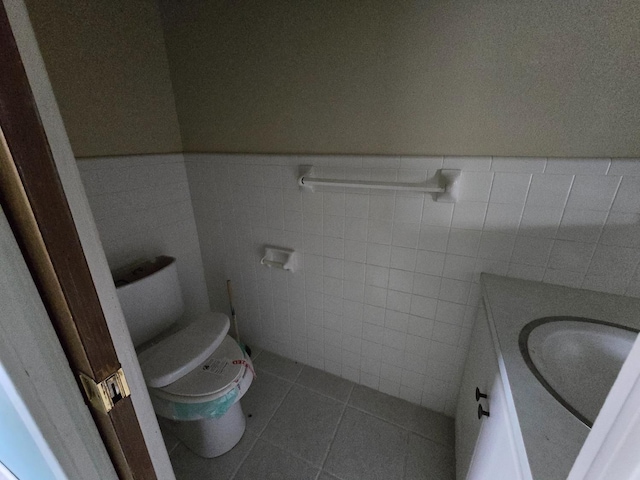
point(34, 201)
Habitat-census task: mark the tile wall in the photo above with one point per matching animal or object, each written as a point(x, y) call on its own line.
point(142, 208)
point(388, 288)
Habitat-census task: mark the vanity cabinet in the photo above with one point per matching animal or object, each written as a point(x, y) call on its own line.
point(485, 447)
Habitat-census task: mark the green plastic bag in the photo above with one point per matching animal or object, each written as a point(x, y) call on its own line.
point(213, 409)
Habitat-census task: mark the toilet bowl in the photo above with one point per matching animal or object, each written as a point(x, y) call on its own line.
point(195, 373)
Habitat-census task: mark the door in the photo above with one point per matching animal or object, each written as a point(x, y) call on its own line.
point(478, 373)
point(46, 432)
point(37, 211)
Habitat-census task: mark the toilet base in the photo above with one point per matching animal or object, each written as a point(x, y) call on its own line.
point(209, 437)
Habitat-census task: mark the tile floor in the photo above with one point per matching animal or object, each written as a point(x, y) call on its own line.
point(303, 423)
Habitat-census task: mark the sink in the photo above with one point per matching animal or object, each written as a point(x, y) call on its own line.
point(576, 359)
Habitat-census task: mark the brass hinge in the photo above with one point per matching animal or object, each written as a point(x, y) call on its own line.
point(104, 395)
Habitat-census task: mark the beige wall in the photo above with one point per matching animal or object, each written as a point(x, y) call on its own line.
point(544, 78)
point(108, 67)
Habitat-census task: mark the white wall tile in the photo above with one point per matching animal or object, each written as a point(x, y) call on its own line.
point(475, 186)
point(380, 231)
point(401, 280)
point(423, 306)
point(510, 188)
point(334, 204)
point(376, 276)
point(526, 272)
point(356, 229)
point(496, 245)
point(625, 166)
point(333, 247)
point(333, 226)
point(628, 196)
point(456, 291)
point(472, 164)
point(356, 205)
point(431, 263)
point(354, 271)
point(464, 242)
point(426, 163)
point(355, 251)
point(381, 207)
point(449, 312)
point(571, 256)
point(433, 238)
point(142, 207)
point(403, 258)
point(563, 277)
point(396, 320)
point(405, 234)
point(531, 251)
point(593, 192)
point(574, 166)
point(540, 221)
point(437, 213)
point(622, 229)
point(395, 276)
point(399, 301)
point(378, 254)
point(469, 215)
point(581, 225)
point(459, 267)
point(503, 217)
point(408, 209)
point(518, 164)
point(549, 190)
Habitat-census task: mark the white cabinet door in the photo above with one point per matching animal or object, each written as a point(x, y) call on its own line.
point(495, 455)
point(485, 448)
point(478, 373)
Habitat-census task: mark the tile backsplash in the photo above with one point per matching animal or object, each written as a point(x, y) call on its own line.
point(142, 208)
point(388, 285)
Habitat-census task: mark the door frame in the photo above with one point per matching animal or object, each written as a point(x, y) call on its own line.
point(76, 265)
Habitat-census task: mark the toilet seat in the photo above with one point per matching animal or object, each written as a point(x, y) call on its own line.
point(230, 385)
point(212, 379)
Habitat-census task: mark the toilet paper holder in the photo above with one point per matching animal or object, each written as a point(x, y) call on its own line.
point(276, 257)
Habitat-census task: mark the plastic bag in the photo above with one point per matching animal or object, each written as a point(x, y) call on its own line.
point(213, 409)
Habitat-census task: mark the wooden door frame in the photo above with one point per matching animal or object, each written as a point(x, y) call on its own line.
point(35, 204)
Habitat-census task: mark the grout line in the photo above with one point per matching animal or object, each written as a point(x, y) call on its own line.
point(244, 458)
point(288, 452)
point(322, 394)
point(258, 435)
point(406, 454)
point(335, 431)
point(275, 410)
point(386, 420)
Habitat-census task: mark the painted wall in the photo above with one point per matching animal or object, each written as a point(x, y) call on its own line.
point(142, 208)
point(410, 77)
point(108, 67)
point(389, 285)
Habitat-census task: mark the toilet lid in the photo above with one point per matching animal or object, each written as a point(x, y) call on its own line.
point(173, 357)
point(213, 375)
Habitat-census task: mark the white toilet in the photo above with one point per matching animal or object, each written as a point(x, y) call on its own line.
point(195, 373)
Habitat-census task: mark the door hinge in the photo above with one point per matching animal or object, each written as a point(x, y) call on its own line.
point(104, 395)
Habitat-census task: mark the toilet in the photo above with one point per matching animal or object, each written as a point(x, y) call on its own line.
point(195, 373)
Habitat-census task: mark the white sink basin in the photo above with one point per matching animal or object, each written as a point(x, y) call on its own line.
point(576, 360)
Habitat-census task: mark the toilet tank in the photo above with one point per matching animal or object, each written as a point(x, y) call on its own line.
point(150, 296)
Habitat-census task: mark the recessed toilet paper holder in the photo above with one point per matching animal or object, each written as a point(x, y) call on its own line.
point(277, 257)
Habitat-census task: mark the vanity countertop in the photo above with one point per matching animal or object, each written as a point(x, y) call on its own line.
point(552, 436)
